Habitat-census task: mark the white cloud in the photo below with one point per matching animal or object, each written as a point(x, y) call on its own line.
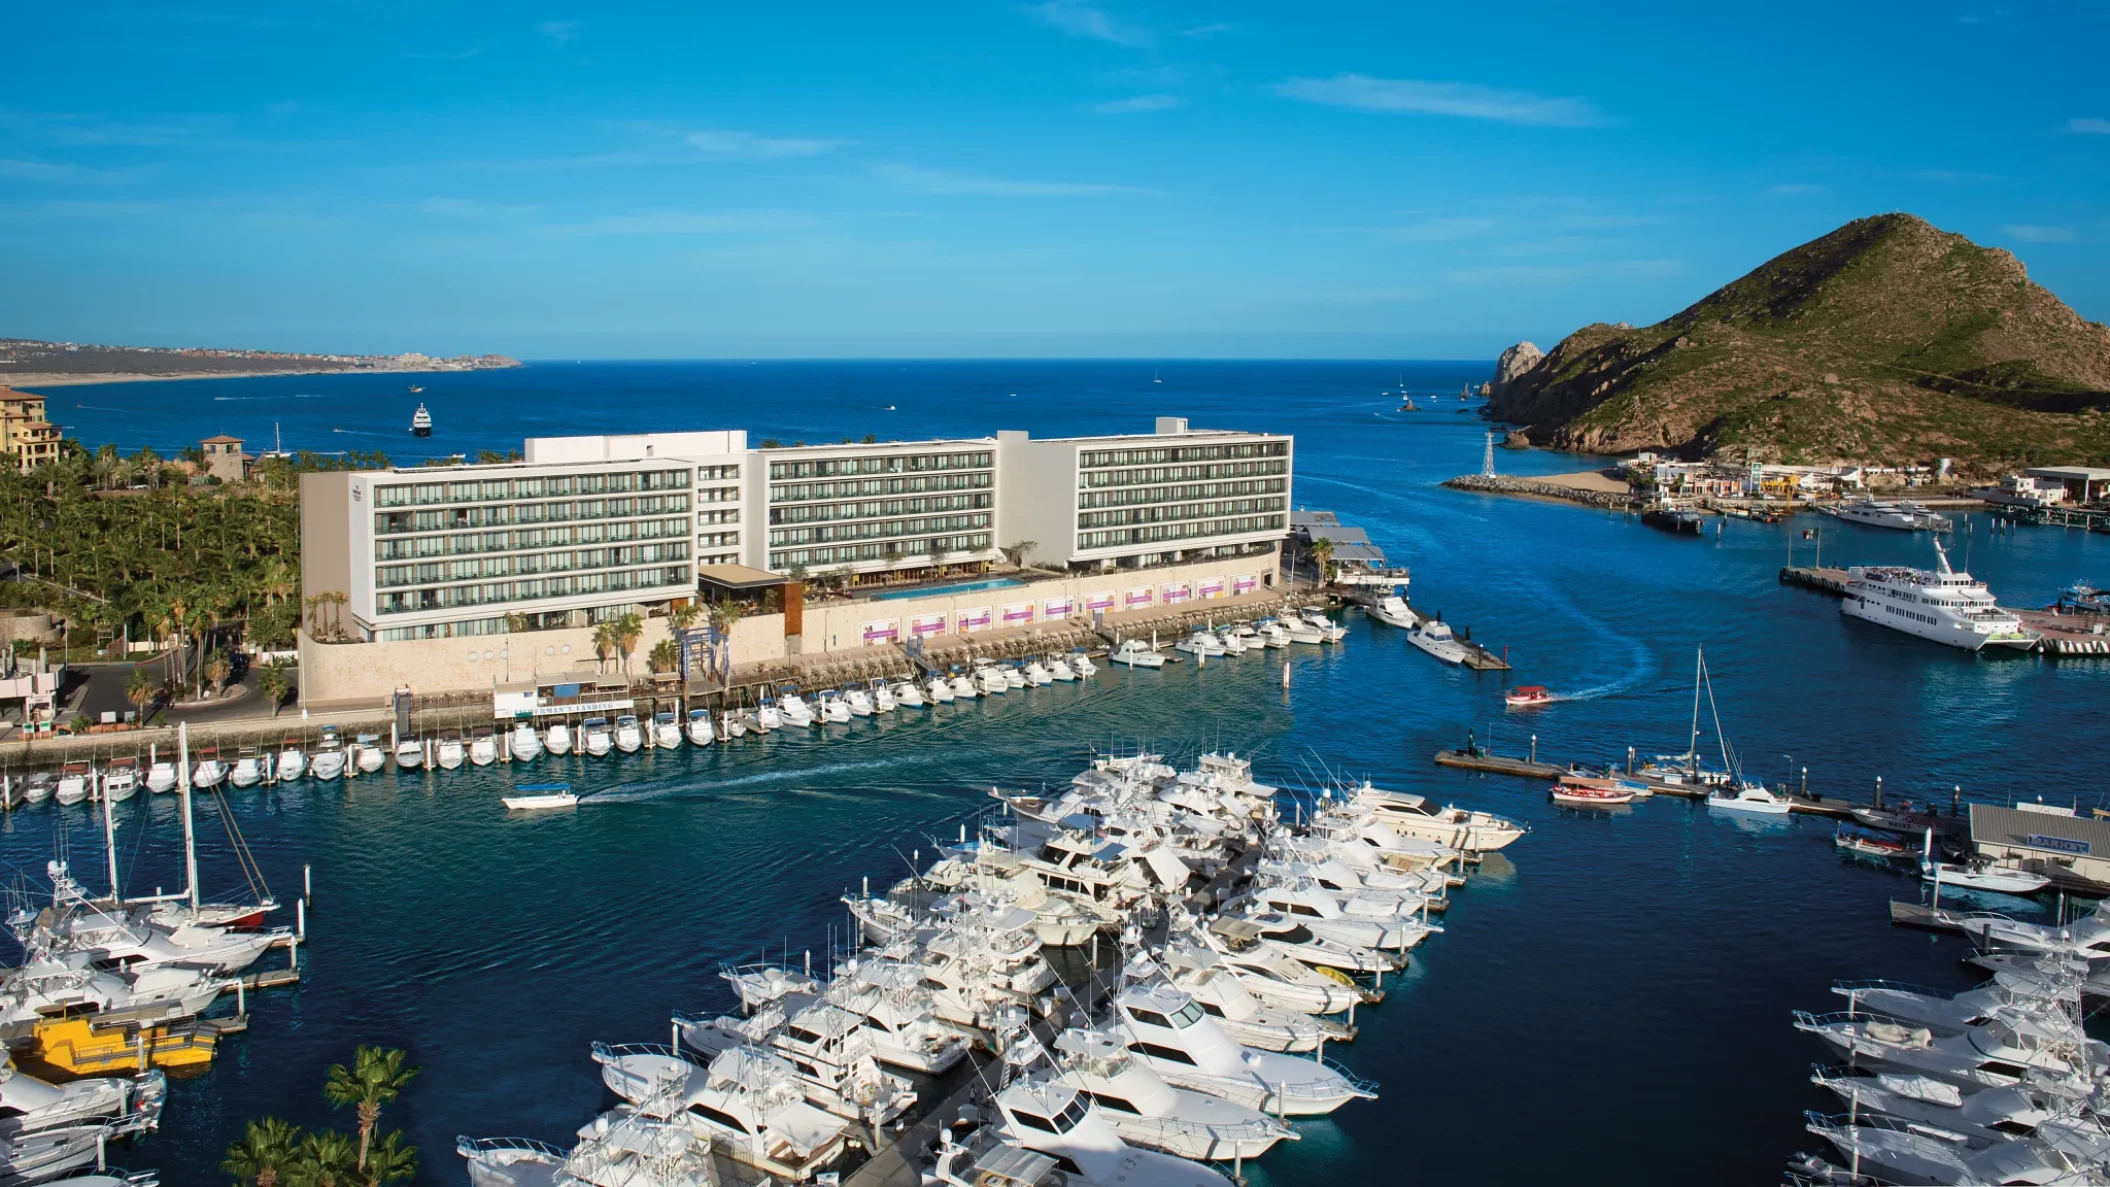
point(1139, 103)
point(1442, 230)
point(923, 180)
point(1083, 20)
point(1418, 96)
point(559, 32)
point(749, 146)
point(2089, 127)
point(2033, 233)
point(683, 222)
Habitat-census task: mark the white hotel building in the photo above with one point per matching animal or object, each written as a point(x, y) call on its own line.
point(587, 528)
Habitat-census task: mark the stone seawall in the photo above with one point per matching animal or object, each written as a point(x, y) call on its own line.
point(1499, 485)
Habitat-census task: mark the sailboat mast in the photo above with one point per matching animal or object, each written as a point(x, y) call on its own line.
point(1692, 743)
point(190, 835)
point(110, 846)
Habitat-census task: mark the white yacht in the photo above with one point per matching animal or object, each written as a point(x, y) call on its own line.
point(859, 701)
point(700, 733)
point(526, 747)
point(1946, 606)
point(883, 697)
point(1201, 643)
point(749, 1102)
point(1460, 828)
point(767, 716)
point(629, 736)
point(1168, 1029)
point(1135, 653)
point(1053, 1136)
point(1903, 517)
point(1749, 797)
point(1393, 611)
point(1037, 674)
point(832, 707)
point(558, 740)
point(793, 708)
point(666, 735)
point(1082, 664)
point(1060, 669)
point(28, 1104)
point(991, 680)
point(909, 695)
point(1434, 636)
point(1012, 677)
point(595, 738)
point(1146, 1111)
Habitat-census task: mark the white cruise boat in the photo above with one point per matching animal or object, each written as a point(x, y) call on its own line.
point(1393, 611)
point(1135, 653)
point(1435, 637)
point(1945, 605)
point(1903, 517)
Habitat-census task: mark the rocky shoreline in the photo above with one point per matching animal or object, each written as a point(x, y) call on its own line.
point(1499, 485)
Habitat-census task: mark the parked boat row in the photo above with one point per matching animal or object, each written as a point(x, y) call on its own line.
point(1242, 943)
point(1310, 625)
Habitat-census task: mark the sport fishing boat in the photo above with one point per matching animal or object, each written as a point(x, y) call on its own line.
point(595, 736)
point(121, 779)
point(1946, 606)
point(1146, 1111)
point(940, 690)
point(963, 686)
point(249, 768)
point(535, 797)
point(1135, 653)
point(1170, 1031)
point(76, 780)
point(767, 716)
point(909, 695)
point(1434, 636)
point(292, 761)
point(1902, 517)
point(1749, 797)
point(161, 776)
point(795, 712)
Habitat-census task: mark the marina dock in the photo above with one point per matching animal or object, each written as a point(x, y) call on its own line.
point(1480, 759)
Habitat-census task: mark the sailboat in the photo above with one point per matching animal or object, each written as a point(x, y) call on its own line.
point(1154, 378)
point(1735, 795)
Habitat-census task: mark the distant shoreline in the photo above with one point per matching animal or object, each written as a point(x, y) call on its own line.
point(35, 379)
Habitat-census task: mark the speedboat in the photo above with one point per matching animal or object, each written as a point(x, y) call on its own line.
point(1982, 874)
point(207, 772)
point(292, 761)
point(37, 788)
point(121, 780)
point(526, 747)
point(1037, 674)
point(1589, 797)
point(1526, 696)
point(558, 740)
point(1434, 636)
point(1082, 664)
point(700, 727)
point(1272, 633)
point(833, 709)
point(908, 695)
point(963, 686)
point(534, 797)
point(410, 755)
point(1060, 669)
point(767, 717)
point(940, 689)
point(629, 737)
point(1329, 630)
point(1135, 653)
point(450, 752)
point(1012, 677)
point(161, 776)
point(1750, 797)
point(1393, 611)
point(248, 769)
point(858, 700)
point(666, 735)
point(991, 680)
point(371, 757)
point(594, 734)
point(329, 761)
point(483, 747)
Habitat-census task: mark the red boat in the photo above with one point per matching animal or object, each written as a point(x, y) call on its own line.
point(1589, 797)
point(1526, 695)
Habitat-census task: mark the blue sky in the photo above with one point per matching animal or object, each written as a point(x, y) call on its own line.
point(1055, 178)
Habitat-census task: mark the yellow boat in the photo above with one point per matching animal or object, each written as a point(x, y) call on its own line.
point(77, 1045)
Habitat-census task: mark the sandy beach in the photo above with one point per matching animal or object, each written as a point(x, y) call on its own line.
point(30, 380)
point(1590, 480)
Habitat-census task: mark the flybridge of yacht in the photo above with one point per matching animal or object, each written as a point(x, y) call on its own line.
point(1196, 1050)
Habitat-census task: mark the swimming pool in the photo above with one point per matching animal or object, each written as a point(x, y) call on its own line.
point(932, 591)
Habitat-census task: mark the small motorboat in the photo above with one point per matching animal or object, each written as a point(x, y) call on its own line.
point(329, 760)
point(1982, 874)
point(1081, 664)
point(666, 734)
point(909, 695)
point(208, 771)
point(535, 797)
point(1589, 797)
point(700, 733)
point(940, 690)
point(594, 733)
point(450, 752)
point(161, 777)
point(883, 700)
point(794, 710)
point(1872, 845)
point(483, 748)
point(526, 747)
point(292, 761)
point(558, 740)
point(1525, 696)
point(121, 779)
point(629, 736)
point(410, 755)
point(371, 757)
point(1060, 669)
point(37, 788)
point(249, 768)
point(1135, 653)
point(963, 686)
point(767, 716)
point(1750, 798)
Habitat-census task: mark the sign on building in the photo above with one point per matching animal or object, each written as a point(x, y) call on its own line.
point(924, 625)
point(1055, 608)
point(974, 620)
point(886, 630)
point(1018, 614)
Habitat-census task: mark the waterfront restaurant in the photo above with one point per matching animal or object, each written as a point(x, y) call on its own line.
point(2043, 839)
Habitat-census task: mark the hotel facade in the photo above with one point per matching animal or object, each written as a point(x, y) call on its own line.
point(588, 528)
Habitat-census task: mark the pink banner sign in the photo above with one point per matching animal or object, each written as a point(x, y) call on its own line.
point(884, 631)
point(1244, 585)
point(1177, 592)
point(976, 619)
point(1017, 613)
point(1209, 587)
point(921, 625)
point(1098, 601)
point(1137, 597)
point(1057, 608)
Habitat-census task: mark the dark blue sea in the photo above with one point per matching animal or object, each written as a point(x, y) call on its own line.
point(1610, 1001)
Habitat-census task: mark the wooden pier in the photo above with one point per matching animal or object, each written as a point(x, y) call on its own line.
point(1811, 577)
point(1487, 760)
point(1530, 768)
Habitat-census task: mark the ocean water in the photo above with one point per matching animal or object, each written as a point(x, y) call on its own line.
point(1609, 1003)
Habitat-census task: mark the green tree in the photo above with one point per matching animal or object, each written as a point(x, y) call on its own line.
point(218, 668)
point(141, 689)
point(390, 1161)
point(604, 642)
point(628, 630)
point(264, 1153)
point(272, 683)
point(684, 616)
point(376, 1077)
point(665, 657)
point(324, 1159)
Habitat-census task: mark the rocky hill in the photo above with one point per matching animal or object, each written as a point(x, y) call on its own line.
point(1886, 341)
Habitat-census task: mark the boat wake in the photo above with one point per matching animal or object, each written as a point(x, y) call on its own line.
point(636, 793)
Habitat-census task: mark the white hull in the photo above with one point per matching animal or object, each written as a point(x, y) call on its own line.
point(559, 741)
point(409, 757)
point(539, 803)
point(328, 765)
point(1450, 651)
point(1953, 634)
point(161, 777)
point(372, 758)
point(526, 746)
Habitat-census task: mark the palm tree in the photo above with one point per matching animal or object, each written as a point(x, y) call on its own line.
point(1017, 552)
point(684, 616)
point(604, 642)
point(1322, 555)
point(390, 1161)
point(376, 1078)
point(665, 657)
point(265, 1150)
point(628, 630)
point(140, 689)
point(217, 668)
point(324, 1159)
point(272, 683)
